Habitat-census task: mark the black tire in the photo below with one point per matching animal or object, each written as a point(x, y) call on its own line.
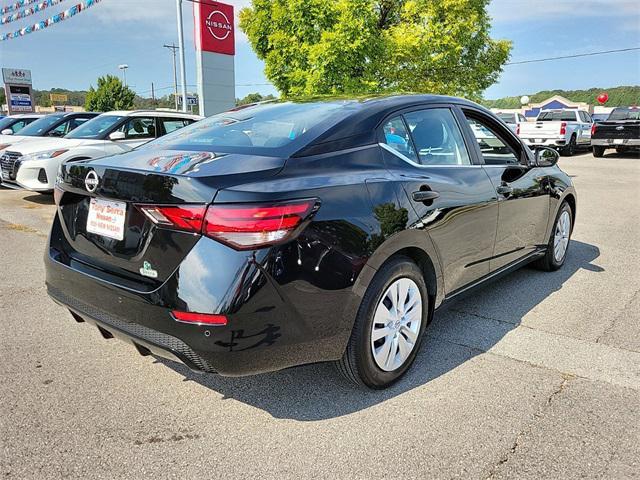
point(598, 151)
point(549, 263)
point(570, 149)
point(358, 364)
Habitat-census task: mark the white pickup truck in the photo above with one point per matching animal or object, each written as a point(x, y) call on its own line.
point(566, 130)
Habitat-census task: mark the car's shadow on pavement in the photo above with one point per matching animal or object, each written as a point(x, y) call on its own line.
point(40, 199)
point(317, 392)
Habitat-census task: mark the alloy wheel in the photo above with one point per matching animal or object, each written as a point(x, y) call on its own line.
point(561, 237)
point(396, 324)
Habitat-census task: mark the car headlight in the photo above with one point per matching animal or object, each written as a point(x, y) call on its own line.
point(42, 155)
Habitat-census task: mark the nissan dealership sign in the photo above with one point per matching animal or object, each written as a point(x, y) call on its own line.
point(214, 27)
point(215, 62)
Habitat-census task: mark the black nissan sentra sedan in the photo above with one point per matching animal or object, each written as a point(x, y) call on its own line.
point(297, 232)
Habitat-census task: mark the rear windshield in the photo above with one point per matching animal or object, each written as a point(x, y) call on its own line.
point(268, 129)
point(625, 114)
point(96, 128)
point(507, 117)
point(41, 126)
point(563, 116)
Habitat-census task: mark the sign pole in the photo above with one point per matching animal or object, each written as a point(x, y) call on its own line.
point(183, 69)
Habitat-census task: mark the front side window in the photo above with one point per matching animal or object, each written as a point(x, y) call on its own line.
point(139, 128)
point(437, 137)
point(397, 137)
point(494, 149)
point(19, 125)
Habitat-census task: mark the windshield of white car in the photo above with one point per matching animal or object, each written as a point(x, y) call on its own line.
point(6, 122)
point(624, 114)
point(41, 126)
point(507, 117)
point(266, 129)
point(564, 116)
point(96, 128)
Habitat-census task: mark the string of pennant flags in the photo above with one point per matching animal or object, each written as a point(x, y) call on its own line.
point(16, 5)
point(68, 13)
point(26, 11)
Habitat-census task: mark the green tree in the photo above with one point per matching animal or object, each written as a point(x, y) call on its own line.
point(253, 98)
point(111, 94)
point(315, 47)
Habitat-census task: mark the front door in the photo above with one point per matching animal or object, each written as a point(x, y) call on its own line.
point(522, 191)
point(446, 194)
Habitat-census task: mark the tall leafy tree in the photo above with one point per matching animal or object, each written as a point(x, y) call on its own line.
point(110, 94)
point(315, 47)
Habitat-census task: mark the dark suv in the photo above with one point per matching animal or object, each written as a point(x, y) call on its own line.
point(289, 233)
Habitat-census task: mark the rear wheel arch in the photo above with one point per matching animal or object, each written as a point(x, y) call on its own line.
point(571, 200)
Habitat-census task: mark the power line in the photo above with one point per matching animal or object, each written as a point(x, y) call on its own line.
point(602, 52)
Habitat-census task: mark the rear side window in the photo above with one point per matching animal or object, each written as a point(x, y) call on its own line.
point(172, 124)
point(437, 137)
point(397, 137)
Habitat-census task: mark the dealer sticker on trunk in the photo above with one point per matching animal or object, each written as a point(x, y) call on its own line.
point(106, 218)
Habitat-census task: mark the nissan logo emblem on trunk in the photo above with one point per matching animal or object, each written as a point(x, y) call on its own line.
point(91, 181)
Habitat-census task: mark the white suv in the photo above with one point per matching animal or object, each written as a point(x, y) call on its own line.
point(33, 165)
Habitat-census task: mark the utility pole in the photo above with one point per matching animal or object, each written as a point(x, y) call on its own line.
point(153, 95)
point(173, 49)
point(183, 70)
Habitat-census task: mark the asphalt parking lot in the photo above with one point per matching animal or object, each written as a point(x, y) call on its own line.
point(534, 376)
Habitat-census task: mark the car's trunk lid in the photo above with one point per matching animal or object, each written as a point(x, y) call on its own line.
point(146, 252)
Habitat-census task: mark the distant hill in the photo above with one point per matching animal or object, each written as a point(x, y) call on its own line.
point(618, 97)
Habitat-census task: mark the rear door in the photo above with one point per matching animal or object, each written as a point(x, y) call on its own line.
point(448, 195)
point(522, 191)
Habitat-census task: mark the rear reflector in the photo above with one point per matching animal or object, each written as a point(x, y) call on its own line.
point(249, 226)
point(185, 217)
point(199, 318)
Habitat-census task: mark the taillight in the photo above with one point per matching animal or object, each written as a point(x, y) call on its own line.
point(241, 226)
point(188, 218)
point(249, 226)
point(593, 129)
point(199, 318)
point(563, 128)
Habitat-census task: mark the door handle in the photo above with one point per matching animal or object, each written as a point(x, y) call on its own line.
point(424, 196)
point(505, 190)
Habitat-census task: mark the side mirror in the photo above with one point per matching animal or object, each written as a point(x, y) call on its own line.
point(546, 157)
point(7, 131)
point(116, 136)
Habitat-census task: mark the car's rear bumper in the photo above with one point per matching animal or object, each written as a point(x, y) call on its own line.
point(545, 142)
point(614, 143)
point(270, 327)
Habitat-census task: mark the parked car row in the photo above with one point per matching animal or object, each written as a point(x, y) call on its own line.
point(568, 130)
point(30, 156)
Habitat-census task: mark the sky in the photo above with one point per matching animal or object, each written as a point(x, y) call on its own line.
point(74, 53)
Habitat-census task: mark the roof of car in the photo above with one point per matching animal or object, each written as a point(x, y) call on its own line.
point(154, 113)
point(26, 115)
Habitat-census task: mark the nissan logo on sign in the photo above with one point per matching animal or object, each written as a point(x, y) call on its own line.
point(91, 181)
point(218, 25)
point(214, 27)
